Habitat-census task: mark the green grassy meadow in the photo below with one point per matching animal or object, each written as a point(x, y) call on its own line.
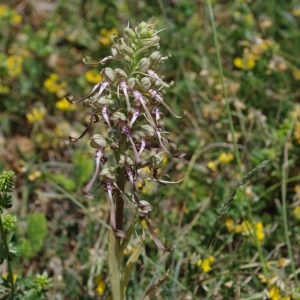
point(235, 73)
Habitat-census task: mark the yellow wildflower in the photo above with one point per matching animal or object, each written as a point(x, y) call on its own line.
point(229, 224)
point(296, 74)
point(53, 85)
point(34, 175)
point(36, 115)
point(93, 76)
point(144, 224)
point(259, 231)
point(100, 284)
point(296, 132)
point(3, 10)
point(225, 158)
point(274, 293)
point(296, 11)
point(105, 35)
point(245, 63)
point(5, 277)
point(15, 18)
point(205, 265)
point(64, 104)
point(243, 228)
point(4, 89)
point(262, 278)
point(283, 262)
point(296, 197)
point(296, 212)
point(212, 166)
point(14, 65)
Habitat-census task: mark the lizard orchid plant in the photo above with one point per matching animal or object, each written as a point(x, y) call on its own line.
point(129, 101)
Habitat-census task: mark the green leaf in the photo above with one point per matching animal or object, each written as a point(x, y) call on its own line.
point(67, 183)
point(37, 230)
point(132, 261)
point(24, 248)
point(84, 167)
point(114, 266)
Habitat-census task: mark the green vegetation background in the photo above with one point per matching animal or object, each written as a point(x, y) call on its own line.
point(42, 45)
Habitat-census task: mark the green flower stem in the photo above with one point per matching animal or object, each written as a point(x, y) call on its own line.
point(228, 110)
point(7, 255)
point(284, 176)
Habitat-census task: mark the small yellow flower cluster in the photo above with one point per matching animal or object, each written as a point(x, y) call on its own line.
point(11, 15)
point(296, 74)
point(34, 175)
point(205, 265)
point(105, 34)
point(64, 104)
point(53, 85)
point(100, 285)
point(4, 90)
point(245, 228)
point(296, 212)
point(296, 197)
point(246, 18)
point(296, 133)
point(247, 62)
point(275, 294)
point(92, 76)
point(223, 158)
point(296, 11)
point(252, 53)
point(283, 262)
point(37, 114)
point(14, 65)
point(5, 277)
point(4, 9)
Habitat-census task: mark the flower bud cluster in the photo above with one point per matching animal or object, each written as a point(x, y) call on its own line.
point(129, 101)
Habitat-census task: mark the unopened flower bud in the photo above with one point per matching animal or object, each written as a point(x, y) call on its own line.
point(144, 208)
point(108, 173)
point(108, 73)
point(124, 159)
point(114, 51)
point(155, 56)
point(118, 116)
point(124, 49)
point(131, 82)
point(120, 73)
point(130, 33)
point(144, 65)
point(97, 140)
point(145, 83)
point(150, 42)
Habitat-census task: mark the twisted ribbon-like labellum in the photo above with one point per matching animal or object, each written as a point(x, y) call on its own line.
point(93, 119)
point(109, 190)
point(98, 157)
